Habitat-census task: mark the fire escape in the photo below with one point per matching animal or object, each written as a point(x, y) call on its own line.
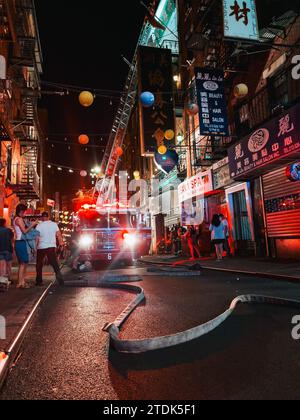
point(24, 71)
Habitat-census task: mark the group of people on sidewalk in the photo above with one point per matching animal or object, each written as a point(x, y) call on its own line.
point(38, 238)
point(191, 237)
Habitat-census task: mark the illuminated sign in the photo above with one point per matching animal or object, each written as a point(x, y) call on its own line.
point(166, 15)
point(293, 172)
point(196, 186)
point(240, 19)
point(212, 102)
point(156, 76)
point(276, 140)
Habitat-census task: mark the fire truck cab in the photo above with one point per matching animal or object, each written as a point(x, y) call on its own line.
point(111, 233)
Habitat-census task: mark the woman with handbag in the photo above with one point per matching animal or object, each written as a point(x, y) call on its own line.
point(21, 245)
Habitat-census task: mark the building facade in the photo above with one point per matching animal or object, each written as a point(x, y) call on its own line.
point(20, 133)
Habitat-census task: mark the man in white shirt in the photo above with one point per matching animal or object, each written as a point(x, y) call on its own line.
point(49, 236)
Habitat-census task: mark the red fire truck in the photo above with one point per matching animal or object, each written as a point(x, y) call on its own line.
point(112, 232)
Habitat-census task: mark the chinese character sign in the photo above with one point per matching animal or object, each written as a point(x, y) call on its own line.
point(212, 102)
point(156, 76)
point(277, 140)
point(240, 19)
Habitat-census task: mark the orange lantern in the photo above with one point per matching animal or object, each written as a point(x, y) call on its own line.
point(119, 151)
point(86, 99)
point(169, 135)
point(162, 150)
point(84, 140)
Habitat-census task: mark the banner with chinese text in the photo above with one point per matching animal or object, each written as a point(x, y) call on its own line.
point(156, 76)
point(212, 102)
point(278, 140)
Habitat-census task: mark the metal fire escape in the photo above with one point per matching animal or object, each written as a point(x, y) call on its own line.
point(26, 68)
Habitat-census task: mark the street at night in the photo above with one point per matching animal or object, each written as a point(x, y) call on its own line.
point(149, 203)
point(252, 356)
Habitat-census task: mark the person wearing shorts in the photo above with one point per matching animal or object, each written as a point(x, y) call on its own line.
point(6, 250)
point(218, 236)
point(21, 245)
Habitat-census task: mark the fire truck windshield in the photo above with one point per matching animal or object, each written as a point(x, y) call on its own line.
point(94, 220)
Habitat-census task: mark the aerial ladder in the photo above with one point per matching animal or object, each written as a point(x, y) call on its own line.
point(105, 185)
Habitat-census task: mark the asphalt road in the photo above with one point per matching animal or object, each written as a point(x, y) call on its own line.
point(66, 354)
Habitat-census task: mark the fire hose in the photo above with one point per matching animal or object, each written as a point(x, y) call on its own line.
point(164, 342)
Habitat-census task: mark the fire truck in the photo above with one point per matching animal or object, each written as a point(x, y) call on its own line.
point(111, 233)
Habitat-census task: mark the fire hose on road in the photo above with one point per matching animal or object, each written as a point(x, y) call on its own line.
point(164, 342)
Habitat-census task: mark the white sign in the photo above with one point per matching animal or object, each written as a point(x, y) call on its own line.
point(196, 186)
point(240, 19)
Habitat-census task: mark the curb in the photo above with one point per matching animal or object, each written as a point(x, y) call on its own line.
point(271, 276)
point(12, 352)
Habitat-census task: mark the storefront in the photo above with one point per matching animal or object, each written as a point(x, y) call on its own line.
point(199, 201)
point(265, 208)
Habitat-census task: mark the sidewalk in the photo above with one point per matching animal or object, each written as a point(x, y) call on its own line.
point(16, 305)
point(281, 270)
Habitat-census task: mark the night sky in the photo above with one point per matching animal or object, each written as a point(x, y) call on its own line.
point(82, 44)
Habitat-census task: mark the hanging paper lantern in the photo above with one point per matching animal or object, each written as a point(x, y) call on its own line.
point(169, 135)
point(84, 140)
point(192, 109)
point(119, 151)
point(86, 99)
point(162, 150)
point(241, 91)
point(83, 174)
point(147, 99)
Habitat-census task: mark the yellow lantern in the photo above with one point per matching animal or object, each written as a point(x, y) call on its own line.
point(84, 139)
point(86, 99)
point(241, 91)
point(162, 150)
point(169, 135)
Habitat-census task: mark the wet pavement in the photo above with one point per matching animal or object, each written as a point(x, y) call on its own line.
point(66, 354)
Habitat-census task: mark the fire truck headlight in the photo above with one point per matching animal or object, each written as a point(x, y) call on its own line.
point(86, 241)
point(130, 239)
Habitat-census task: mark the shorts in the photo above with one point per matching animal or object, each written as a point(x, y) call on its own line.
point(22, 252)
point(6, 256)
point(218, 241)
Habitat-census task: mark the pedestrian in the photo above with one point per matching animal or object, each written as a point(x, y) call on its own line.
point(225, 223)
point(6, 250)
point(217, 236)
point(75, 249)
point(192, 240)
point(49, 235)
point(21, 245)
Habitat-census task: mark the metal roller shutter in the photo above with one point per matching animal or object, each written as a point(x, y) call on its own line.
point(282, 201)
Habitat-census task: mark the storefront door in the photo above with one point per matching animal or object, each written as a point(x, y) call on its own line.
point(240, 209)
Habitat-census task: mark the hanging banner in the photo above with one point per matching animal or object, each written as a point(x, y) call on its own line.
point(277, 140)
point(240, 19)
point(212, 102)
point(156, 76)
